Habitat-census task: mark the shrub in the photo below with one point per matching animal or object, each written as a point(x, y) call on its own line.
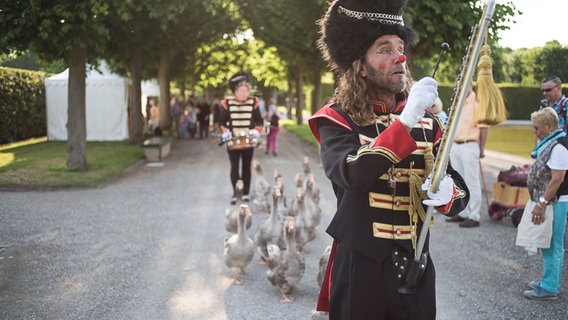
point(22, 105)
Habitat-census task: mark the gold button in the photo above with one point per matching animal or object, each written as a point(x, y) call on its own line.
point(398, 232)
point(398, 174)
point(397, 203)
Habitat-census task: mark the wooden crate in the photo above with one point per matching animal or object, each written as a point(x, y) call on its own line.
point(509, 196)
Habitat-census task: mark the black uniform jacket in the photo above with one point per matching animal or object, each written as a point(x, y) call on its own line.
point(372, 217)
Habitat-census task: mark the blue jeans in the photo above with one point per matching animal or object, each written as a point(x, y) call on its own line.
point(552, 257)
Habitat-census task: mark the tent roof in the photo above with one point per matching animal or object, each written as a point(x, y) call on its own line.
point(92, 74)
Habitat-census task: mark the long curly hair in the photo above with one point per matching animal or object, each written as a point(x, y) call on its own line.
point(353, 96)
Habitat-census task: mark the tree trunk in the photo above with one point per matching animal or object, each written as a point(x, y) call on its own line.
point(76, 111)
point(290, 99)
point(317, 99)
point(164, 81)
point(299, 97)
point(135, 112)
point(181, 79)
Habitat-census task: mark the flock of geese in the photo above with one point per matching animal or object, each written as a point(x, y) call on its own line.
point(281, 237)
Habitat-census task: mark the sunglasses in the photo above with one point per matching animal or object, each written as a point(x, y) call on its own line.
point(547, 89)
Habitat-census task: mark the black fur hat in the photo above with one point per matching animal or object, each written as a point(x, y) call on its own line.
point(237, 78)
point(350, 27)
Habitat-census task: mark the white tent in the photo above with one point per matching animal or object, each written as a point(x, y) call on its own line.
point(106, 105)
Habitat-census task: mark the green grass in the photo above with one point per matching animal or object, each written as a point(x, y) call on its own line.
point(41, 164)
point(516, 140)
point(302, 131)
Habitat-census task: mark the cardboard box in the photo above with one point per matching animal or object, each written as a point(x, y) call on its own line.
point(509, 196)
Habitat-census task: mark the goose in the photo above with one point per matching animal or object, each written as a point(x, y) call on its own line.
point(232, 214)
point(279, 181)
point(305, 230)
point(286, 267)
point(269, 232)
point(283, 209)
point(239, 248)
point(261, 189)
point(312, 188)
point(312, 201)
point(306, 166)
point(299, 180)
point(323, 265)
point(299, 199)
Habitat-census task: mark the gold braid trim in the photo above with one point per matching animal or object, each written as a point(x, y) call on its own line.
point(415, 209)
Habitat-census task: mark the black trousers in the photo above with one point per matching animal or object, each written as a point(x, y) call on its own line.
point(204, 128)
point(235, 156)
point(363, 289)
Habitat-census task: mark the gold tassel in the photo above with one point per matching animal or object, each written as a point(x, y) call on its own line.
point(415, 208)
point(491, 108)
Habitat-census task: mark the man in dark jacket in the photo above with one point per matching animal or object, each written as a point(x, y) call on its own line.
point(203, 113)
point(377, 148)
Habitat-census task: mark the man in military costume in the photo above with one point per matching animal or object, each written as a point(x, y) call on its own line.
point(377, 148)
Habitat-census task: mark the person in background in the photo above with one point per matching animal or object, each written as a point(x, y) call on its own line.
point(155, 118)
point(216, 110)
point(204, 111)
point(192, 117)
point(273, 116)
point(149, 103)
point(548, 186)
point(551, 88)
point(377, 150)
point(437, 109)
point(467, 150)
point(240, 117)
point(183, 125)
point(176, 112)
point(261, 104)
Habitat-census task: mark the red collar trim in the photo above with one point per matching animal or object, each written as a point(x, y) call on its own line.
point(381, 106)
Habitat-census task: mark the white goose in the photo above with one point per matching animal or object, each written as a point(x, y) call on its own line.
point(239, 248)
point(269, 232)
point(232, 214)
point(261, 189)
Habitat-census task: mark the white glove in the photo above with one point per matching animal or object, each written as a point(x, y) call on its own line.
point(422, 95)
point(444, 194)
point(226, 135)
point(254, 133)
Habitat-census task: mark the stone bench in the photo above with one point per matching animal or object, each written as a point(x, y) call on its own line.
point(156, 148)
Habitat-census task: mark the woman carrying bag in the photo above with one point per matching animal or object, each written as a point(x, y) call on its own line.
point(547, 187)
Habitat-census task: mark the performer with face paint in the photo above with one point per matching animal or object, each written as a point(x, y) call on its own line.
point(377, 149)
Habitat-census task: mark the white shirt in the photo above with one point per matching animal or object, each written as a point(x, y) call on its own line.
point(559, 161)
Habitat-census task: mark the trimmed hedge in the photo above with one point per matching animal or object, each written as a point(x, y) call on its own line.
point(520, 100)
point(22, 105)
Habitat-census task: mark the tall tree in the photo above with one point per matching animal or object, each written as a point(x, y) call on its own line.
point(449, 21)
point(68, 29)
point(290, 26)
point(132, 32)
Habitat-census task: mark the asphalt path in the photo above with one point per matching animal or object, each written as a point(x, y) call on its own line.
point(149, 245)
